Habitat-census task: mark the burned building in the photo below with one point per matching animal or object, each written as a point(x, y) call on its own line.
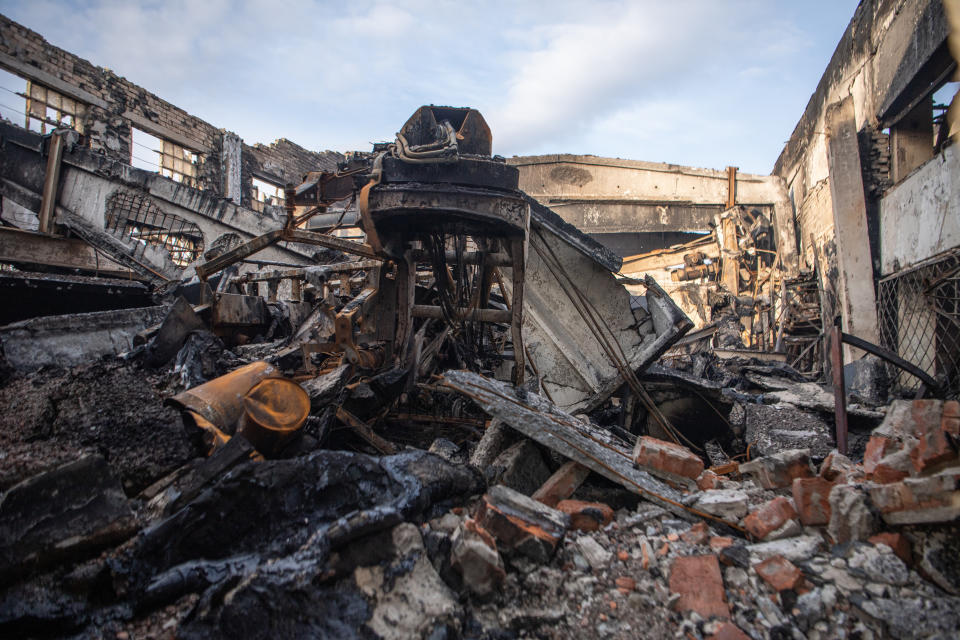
point(421, 390)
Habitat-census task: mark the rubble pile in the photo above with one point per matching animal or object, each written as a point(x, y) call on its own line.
point(457, 429)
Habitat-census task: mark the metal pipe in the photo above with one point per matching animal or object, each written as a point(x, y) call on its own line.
point(472, 315)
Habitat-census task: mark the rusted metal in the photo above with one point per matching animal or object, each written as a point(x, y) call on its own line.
point(892, 358)
point(694, 272)
point(220, 401)
point(839, 389)
point(273, 411)
point(355, 312)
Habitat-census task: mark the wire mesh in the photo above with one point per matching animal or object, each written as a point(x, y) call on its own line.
point(135, 217)
point(919, 311)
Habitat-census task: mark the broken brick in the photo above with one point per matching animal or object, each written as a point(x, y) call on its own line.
point(521, 524)
point(707, 480)
point(836, 465)
point(718, 543)
point(667, 457)
point(586, 516)
point(480, 565)
point(769, 517)
point(933, 498)
point(779, 470)
point(933, 447)
point(697, 534)
point(562, 483)
point(811, 496)
point(851, 517)
point(698, 581)
point(728, 631)
point(896, 541)
point(625, 584)
point(780, 573)
point(877, 448)
point(893, 467)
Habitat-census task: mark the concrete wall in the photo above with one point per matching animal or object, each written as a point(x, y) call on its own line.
point(884, 59)
point(920, 217)
point(610, 195)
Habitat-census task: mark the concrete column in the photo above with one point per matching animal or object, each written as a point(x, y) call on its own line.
point(230, 161)
point(857, 297)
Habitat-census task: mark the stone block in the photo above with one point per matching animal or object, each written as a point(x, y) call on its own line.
point(780, 573)
point(477, 560)
point(698, 582)
point(667, 457)
point(730, 504)
point(776, 471)
point(850, 515)
point(811, 496)
point(769, 517)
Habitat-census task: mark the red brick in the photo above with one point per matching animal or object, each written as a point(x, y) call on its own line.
point(812, 499)
point(780, 573)
point(720, 542)
point(896, 541)
point(769, 517)
point(707, 480)
point(667, 456)
point(951, 409)
point(625, 584)
point(698, 581)
point(877, 448)
point(893, 468)
point(729, 631)
point(562, 483)
point(835, 466)
point(917, 500)
point(697, 534)
point(933, 447)
point(586, 516)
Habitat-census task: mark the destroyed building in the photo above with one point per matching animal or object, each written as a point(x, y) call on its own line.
point(420, 390)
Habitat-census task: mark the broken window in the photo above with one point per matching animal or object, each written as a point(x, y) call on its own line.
point(48, 109)
point(137, 218)
point(40, 109)
point(266, 193)
point(166, 158)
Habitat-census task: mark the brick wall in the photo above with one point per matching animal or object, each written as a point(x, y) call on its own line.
point(115, 104)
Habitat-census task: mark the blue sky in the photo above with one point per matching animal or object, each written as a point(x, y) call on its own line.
point(706, 84)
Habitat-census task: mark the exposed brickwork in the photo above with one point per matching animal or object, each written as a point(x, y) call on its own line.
point(107, 129)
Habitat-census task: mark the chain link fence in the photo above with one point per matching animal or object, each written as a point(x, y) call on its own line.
point(919, 313)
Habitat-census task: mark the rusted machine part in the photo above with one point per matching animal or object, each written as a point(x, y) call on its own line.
point(213, 438)
point(220, 401)
point(355, 312)
point(694, 272)
point(273, 411)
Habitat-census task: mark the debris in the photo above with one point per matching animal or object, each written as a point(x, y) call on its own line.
point(697, 580)
point(780, 574)
point(522, 525)
point(811, 496)
point(519, 467)
point(779, 470)
point(596, 556)
point(851, 516)
point(730, 504)
point(586, 516)
point(562, 483)
point(666, 458)
point(764, 521)
point(68, 513)
point(476, 558)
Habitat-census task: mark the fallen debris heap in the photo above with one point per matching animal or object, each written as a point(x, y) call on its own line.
point(454, 428)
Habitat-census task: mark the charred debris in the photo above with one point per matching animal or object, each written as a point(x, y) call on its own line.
point(455, 421)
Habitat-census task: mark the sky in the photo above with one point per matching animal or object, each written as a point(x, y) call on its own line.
point(698, 83)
